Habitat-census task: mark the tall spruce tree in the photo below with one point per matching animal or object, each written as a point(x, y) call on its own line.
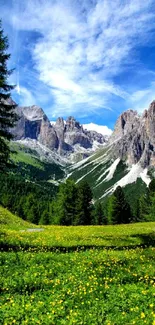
point(152, 187)
point(119, 209)
point(84, 205)
point(150, 202)
point(99, 217)
point(64, 207)
point(144, 205)
point(7, 107)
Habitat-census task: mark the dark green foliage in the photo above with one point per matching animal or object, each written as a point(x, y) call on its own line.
point(73, 204)
point(144, 205)
point(147, 204)
point(84, 205)
point(28, 200)
point(152, 186)
point(7, 107)
point(64, 208)
point(133, 192)
point(151, 214)
point(99, 216)
point(45, 218)
point(119, 209)
point(112, 210)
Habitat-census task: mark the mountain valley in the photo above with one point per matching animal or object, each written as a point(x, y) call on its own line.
point(126, 158)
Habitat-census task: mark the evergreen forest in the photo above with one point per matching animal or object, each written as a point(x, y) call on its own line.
point(71, 204)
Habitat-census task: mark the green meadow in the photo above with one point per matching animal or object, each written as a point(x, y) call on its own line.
point(76, 275)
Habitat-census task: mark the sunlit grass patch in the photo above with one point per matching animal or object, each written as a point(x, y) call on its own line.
point(76, 275)
point(91, 287)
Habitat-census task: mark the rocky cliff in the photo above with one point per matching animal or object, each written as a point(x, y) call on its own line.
point(67, 138)
point(133, 138)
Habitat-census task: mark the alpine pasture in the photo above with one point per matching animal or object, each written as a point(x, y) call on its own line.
point(76, 275)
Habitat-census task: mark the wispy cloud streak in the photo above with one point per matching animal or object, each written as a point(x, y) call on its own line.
point(82, 46)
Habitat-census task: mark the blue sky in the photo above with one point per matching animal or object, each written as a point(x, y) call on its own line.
point(91, 59)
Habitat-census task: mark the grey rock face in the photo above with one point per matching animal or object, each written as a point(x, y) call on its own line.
point(48, 136)
point(127, 122)
point(62, 137)
point(93, 135)
point(74, 134)
point(133, 138)
point(34, 124)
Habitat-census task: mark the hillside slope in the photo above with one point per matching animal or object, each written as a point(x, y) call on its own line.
point(104, 174)
point(127, 161)
point(29, 165)
point(10, 221)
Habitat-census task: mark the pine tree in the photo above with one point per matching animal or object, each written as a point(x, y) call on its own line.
point(152, 186)
point(119, 209)
point(8, 116)
point(64, 209)
point(84, 205)
point(149, 207)
point(112, 210)
point(45, 217)
point(99, 217)
point(124, 212)
point(144, 206)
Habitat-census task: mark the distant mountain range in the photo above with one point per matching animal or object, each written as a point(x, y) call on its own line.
point(68, 140)
point(126, 158)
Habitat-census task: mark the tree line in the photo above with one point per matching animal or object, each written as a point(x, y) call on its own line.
point(71, 204)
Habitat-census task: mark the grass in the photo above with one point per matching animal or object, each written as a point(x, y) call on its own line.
point(10, 222)
point(16, 234)
point(25, 155)
point(29, 165)
point(77, 275)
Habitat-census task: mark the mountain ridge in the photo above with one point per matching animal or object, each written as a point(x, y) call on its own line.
point(126, 160)
point(67, 139)
point(133, 138)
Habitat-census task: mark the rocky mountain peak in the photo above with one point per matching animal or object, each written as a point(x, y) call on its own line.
point(126, 122)
point(34, 124)
point(59, 122)
point(33, 112)
point(152, 107)
point(133, 138)
point(72, 124)
point(65, 138)
point(149, 123)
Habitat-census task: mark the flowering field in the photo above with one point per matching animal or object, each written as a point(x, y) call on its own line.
point(93, 275)
point(90, 287)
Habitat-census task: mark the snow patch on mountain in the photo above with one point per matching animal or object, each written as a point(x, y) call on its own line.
point(145, 178)
point(111, 170)
point(135, 172)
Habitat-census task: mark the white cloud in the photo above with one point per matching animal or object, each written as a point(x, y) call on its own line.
point(82, 46)
point(98, 128)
